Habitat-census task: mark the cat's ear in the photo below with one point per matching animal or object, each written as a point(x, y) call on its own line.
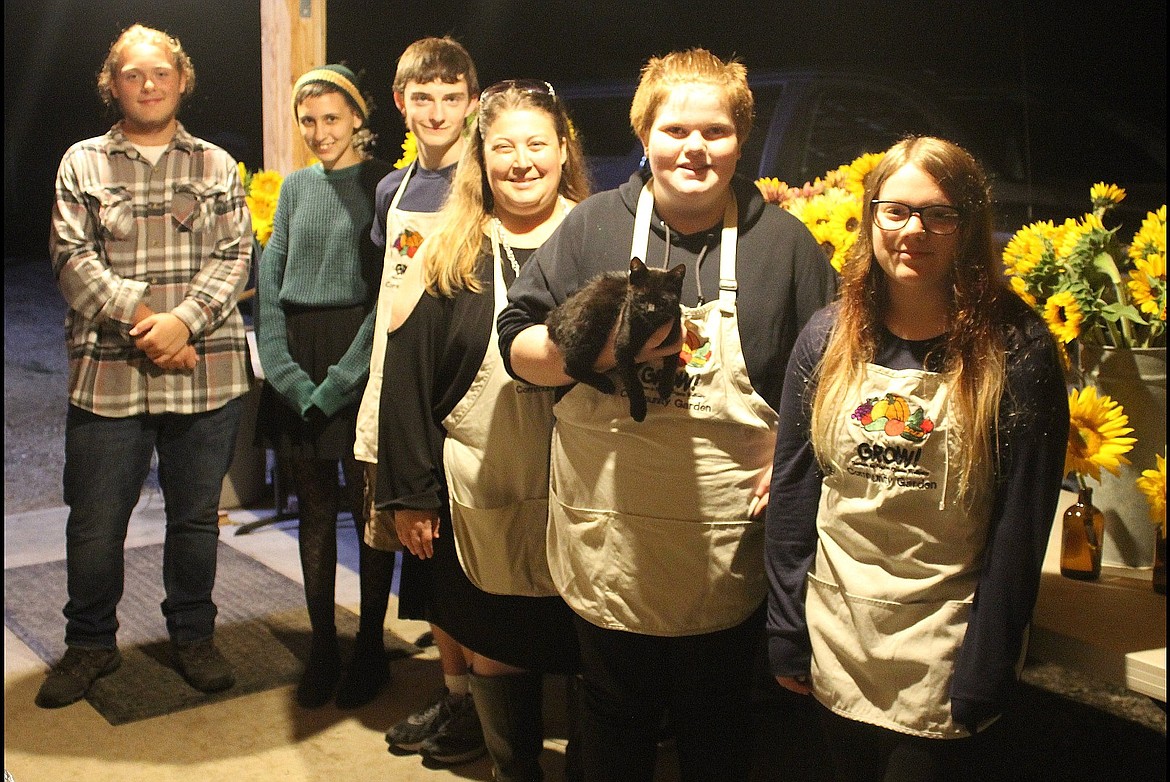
point(637, 270)
point(679, 271)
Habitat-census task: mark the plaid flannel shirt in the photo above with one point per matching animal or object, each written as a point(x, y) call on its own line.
point(176, 236)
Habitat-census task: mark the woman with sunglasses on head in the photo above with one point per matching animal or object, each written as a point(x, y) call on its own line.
point(656, 532)
point(467, 476)
point(915, 485)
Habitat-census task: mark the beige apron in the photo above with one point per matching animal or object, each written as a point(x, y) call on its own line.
point(649, 528)
point(404, 232)
point(496, 459)
point(897, 560)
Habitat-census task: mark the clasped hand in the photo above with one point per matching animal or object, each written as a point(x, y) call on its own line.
point(163, 338)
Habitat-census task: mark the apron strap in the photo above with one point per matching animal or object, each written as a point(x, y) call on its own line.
point(728, 241)
point(727, 245)
point(402, 186)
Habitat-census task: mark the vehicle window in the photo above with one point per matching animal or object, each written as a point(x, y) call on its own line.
point(842, 122)
point(764, 99)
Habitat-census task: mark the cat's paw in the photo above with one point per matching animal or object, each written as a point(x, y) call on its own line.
point(666, 377)
point(638, 408)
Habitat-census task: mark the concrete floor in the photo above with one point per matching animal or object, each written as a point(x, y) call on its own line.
point(263, 736)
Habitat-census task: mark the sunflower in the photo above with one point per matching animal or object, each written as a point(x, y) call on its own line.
point(1153, 485)
point(1096, 435)
point(263, 192)
point(1079, 232)
point(1064, 316)
point(409, 151)
point(773, 190)
point(1147, 285)
point(1150, 239)
point(1026, 249)
point(1103, 195)
point(1020, 286)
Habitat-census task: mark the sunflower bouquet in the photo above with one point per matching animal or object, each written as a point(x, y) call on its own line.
point(1086, 283)
point(829, 206)
point(262, 189)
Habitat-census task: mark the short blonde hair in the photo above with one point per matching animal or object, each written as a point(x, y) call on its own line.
point(660, 75)
point(136, 34)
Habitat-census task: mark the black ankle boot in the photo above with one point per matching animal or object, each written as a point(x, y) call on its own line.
point(366, 674)
point(322, 671)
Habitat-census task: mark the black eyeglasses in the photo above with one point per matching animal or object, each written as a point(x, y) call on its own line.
point(940, 219)
point(530, 86)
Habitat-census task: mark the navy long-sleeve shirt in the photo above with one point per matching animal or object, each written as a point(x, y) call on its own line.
point(1033, 423)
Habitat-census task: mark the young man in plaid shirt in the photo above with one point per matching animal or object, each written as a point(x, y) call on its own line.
point(151, 243)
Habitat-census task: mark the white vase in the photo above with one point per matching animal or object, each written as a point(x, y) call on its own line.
point(1136, 379)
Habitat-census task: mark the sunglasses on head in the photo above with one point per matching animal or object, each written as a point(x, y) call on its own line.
point(530, 86)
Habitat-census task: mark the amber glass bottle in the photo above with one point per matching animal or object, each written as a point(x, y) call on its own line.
point(1080, 544)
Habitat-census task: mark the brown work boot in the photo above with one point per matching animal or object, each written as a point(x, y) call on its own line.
point(203, 666)
point(71, 678)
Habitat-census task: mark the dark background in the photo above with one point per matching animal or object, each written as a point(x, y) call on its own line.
point(53, 48)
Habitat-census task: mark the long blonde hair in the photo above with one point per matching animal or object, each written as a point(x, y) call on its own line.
point(452, 251)
point(973, 349)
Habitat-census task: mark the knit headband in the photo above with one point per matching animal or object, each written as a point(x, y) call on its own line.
point(337, 75)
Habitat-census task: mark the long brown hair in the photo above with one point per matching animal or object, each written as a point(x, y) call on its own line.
point(452, 251)
point(973, 348)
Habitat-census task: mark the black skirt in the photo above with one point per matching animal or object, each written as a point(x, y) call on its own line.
point(534, 633)
point(317, 339)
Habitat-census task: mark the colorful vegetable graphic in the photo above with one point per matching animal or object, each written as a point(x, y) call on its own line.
point(891, 415)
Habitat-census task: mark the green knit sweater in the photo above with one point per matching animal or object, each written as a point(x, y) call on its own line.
point(320, 255)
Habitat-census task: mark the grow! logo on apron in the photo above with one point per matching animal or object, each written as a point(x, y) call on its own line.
point(891, 414)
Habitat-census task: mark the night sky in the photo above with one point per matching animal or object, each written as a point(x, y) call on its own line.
point(53, 48)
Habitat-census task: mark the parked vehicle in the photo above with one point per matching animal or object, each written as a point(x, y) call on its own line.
point(1043, 155)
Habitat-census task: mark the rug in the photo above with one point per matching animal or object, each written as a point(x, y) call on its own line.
point(262, 629)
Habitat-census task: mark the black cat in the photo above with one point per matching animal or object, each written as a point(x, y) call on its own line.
point(639, 302)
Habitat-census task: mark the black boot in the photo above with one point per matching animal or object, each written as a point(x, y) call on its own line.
point(366, 674)
point(322, 671)
point(513, 727)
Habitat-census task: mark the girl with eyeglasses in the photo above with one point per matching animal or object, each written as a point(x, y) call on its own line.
point(915, 482)
point(463, 456)
point(656, 527)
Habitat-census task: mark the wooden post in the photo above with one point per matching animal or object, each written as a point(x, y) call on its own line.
point(292, 40)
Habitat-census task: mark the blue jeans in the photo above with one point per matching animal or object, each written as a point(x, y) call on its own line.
point(106, 463)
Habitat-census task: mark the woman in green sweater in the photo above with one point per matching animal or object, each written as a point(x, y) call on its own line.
point(317, 285)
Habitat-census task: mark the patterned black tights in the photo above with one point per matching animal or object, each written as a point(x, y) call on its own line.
point(319, 499)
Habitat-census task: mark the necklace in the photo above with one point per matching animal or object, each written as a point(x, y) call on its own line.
point(498, 229)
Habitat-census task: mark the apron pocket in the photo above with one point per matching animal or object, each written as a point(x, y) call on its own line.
point(666, 577)
point(502, 550)
point(885, 662)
